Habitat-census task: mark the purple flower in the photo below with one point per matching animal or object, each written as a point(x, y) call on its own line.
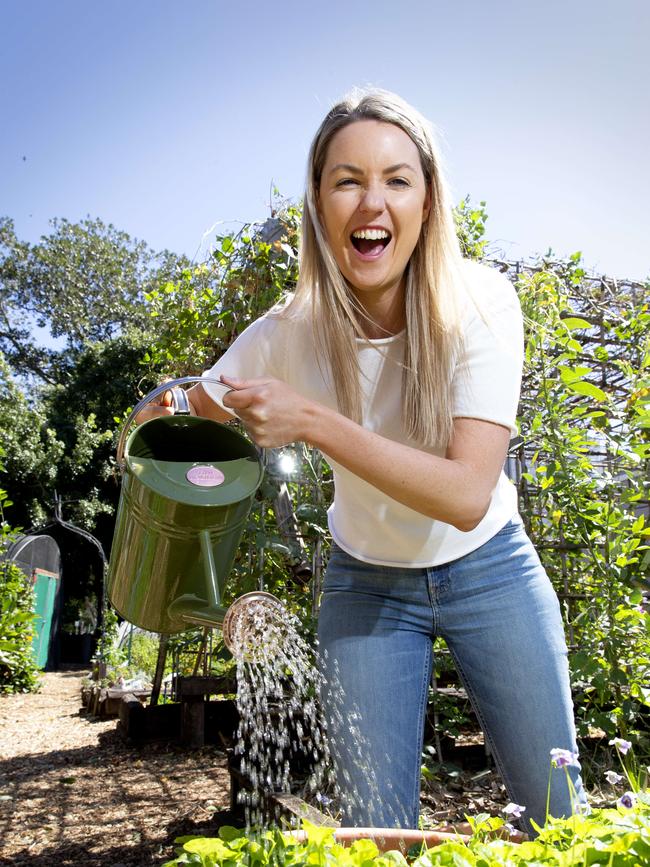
point(621, 745)
point(612, 777)
point(323, 799)
point(627, 801)
point(514, 810)
point(564, 758)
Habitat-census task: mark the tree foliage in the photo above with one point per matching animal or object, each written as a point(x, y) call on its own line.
point(85, 282)
point(32, 451)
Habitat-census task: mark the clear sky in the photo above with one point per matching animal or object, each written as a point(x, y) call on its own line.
point(167, 116)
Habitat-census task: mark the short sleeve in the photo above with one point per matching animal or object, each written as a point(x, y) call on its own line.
point(487, 379)
point(256, 352)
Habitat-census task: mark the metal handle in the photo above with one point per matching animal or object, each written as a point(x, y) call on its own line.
point(171, 385)
point(180, 402)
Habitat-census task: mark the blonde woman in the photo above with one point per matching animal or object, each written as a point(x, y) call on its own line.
point(401, 362)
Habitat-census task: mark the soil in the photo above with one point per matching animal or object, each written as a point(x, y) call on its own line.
point(72, 793)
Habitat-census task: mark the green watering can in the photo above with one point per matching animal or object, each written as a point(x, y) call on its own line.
point(187, 488)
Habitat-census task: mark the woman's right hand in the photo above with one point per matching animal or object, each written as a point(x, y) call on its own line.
point(162, 405)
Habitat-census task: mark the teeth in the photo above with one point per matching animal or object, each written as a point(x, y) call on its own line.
point(371, 234)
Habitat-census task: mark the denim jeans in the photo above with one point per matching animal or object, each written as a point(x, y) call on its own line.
point(498, 613)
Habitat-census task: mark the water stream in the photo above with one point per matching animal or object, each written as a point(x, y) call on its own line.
point(281, 734)
point(284, 744)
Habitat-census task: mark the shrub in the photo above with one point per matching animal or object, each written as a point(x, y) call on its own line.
point(18, 672)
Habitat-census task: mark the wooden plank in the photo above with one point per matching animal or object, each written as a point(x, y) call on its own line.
point(302, 810)
point(198, 686)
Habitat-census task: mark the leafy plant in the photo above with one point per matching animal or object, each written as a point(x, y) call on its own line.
point(585, 480)
point(470, 228)
point(18, 671)
point(618, 837)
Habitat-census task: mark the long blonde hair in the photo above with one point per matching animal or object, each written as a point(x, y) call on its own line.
point(433, 338)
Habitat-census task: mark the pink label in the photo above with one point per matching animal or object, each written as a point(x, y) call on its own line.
point(205, 477)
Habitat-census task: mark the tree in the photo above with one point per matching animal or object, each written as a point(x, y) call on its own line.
point(84, 281)
point(31, 452)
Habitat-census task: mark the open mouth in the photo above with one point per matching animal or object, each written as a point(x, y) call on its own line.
point(370, 242)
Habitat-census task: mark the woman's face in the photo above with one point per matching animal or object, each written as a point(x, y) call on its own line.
point(372, 201)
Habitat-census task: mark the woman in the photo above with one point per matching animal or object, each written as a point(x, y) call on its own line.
point(401, 362)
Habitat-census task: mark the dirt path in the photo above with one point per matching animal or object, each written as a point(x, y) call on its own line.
point(71, 793)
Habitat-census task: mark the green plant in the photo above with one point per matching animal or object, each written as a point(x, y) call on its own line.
point(18, 672)
point(470, 228)
point(617, 837)
point(586, 480)
point(612, 837)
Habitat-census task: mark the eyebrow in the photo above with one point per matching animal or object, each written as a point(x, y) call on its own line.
point(355, 170)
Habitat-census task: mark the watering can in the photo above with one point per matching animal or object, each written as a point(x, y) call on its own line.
point(187, 488)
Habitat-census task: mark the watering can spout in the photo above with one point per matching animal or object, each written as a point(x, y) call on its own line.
point(190, 610)
point(244, 623)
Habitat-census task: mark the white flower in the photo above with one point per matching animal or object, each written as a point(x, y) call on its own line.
point(612, 777)
point(564, 758)
point(621, 745)
point(514, 810)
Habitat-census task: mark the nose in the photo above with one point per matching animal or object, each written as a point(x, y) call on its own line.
point(372, 199)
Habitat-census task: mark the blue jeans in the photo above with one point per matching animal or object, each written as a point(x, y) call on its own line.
point(498, 613)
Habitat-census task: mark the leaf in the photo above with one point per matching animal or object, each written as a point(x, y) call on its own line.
point(570, 374)
point(574, 323)
point(229, 833)
point(364, 850)
point(209, 847)
point(317, 834)
point(588, 389)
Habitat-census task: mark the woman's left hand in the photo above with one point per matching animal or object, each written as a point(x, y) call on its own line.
point(272, 412)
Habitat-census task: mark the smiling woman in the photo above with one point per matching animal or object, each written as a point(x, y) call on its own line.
point(372, 212)
point(384, 361)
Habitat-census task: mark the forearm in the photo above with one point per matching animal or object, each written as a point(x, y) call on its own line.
point(456, 489)
point(444, 488)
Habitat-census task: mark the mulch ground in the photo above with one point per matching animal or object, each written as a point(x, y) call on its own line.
point(72, 793)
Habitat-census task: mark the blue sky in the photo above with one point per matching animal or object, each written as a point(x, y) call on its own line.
point(168, 117)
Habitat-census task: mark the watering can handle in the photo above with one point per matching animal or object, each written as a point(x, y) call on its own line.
point(181, 405)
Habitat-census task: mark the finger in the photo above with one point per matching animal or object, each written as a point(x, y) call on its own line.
point(238, 384)
point(238, 399)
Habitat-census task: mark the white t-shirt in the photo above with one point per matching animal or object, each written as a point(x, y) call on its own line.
point(363, 520)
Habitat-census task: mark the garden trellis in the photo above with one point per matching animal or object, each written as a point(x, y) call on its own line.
point(582, 474)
